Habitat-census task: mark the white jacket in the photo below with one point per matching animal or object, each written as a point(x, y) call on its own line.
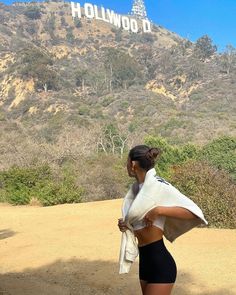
point(154, 192)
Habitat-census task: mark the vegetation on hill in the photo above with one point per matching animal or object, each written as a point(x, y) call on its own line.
point(77, 94)
point(202, 173)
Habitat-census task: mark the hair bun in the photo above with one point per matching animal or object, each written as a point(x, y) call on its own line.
point(152, 153)
point(144, 155)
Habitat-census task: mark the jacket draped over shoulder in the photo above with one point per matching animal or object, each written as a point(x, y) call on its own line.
point(154, 192)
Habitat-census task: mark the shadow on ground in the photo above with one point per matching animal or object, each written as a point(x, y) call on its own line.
point(83, 277)
point(6, 233)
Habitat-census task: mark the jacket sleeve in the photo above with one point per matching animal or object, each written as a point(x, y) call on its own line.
point(174, 227)
point(164, 194)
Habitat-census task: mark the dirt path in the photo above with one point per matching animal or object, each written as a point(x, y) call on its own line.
point(74, 249)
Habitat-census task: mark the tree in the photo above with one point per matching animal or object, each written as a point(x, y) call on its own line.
point(112, 140)
point(77, 23)
point(46, 78)
point(50, 25)
point(122, 69)
point(146, 55)
point(195, 70)
point(118, 35)
point(36, 65)
point(32, 12)
point(228, 59)
point(147, 38)
point(70, 36)
point(95, 79)
point(34, 55)
point(63, 22)
point(80, 78)
point(204, 48)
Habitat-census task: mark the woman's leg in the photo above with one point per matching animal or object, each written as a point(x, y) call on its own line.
point(143, 286)
point(158, 289)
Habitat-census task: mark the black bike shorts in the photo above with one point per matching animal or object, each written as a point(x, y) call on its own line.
point(156, 265)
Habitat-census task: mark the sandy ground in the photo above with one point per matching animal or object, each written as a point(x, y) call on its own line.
point(74, 249)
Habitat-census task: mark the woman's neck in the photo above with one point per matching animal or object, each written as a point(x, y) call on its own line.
point(140, 176)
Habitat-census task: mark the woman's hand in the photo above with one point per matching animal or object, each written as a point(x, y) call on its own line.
point(151, 216)
point(122, 225)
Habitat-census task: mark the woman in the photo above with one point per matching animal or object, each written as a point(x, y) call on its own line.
point(157, 268)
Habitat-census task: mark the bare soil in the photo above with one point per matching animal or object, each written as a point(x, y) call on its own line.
point(74, 249)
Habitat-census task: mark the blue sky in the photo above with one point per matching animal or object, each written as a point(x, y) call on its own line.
point(188, 18)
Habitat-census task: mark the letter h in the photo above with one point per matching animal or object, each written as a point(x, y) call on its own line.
point(75, 9)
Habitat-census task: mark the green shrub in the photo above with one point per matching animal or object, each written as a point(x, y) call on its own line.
point(19, 185)
point(70, 36)
point(35, 56)
point(3, 197)
point(50, 25)
point(221, 152)
point(142, 38)
point(32, 12)
point(170, 155)
point(107, 101)
point(147, 38)
point(63, 22)
point(124, 105)
point(196, 96)
point(77, 23)
point(132, 126)
point(212, 189)
point(52, 193)
point(106, 177)
point(19, 182)
point(84, 110)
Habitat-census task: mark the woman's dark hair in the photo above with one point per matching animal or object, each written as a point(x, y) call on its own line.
point(145, 155)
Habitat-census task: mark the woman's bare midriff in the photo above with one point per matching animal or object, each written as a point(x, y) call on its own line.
point(148, 235)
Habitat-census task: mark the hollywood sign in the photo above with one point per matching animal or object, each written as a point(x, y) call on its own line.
point(120, 21)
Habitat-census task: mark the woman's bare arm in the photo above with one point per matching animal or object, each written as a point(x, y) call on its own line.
point(177, 212)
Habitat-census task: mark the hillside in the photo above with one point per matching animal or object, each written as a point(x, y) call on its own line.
point(57, 71)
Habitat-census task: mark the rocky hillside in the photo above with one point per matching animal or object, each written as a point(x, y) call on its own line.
point(57, 71)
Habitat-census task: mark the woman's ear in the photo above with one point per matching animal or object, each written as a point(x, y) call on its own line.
point(133, 165)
